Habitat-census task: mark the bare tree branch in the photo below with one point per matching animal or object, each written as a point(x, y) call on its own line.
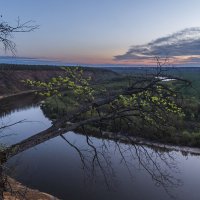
point(7, 31)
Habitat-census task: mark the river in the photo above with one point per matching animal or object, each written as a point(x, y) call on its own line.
point(78, 167)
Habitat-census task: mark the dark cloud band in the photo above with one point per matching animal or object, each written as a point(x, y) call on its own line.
point(182, 43)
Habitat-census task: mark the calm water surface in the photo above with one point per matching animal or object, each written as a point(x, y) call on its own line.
point(80, 167)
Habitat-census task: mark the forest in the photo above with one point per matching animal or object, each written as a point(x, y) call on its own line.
point(99, 100)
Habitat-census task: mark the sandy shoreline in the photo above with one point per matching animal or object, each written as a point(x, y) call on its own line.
point(17, 191)
point(141, 141)
point(16, 94)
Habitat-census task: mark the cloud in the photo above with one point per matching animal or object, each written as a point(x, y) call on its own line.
point(194, 60)
point(182, 43)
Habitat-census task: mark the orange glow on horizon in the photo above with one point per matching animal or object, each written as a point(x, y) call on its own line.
point(110, 60)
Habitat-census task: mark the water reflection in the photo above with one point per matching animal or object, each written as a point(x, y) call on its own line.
point(96, 156)
point(13, 104)
point(104, 166)
point(74, 166)
point(20, 118)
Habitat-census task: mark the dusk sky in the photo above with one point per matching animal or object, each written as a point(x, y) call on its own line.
point(107, 31)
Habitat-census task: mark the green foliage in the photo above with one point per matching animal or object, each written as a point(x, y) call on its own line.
point(74, 81)
point(2, 147)
point(54, 107)
point(153, 104)
point(156, 113)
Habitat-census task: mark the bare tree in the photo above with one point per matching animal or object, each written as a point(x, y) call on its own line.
point(7, 32)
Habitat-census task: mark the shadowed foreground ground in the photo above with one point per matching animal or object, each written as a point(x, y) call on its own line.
point(22, 192)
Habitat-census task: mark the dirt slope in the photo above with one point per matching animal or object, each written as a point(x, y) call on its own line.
point(10, 80)
point(11, 75)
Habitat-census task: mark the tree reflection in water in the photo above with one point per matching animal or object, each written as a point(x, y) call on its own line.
point(160, 165)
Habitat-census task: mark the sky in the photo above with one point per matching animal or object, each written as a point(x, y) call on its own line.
point(107, 31)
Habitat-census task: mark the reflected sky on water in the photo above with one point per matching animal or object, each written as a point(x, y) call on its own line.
point(76, 166)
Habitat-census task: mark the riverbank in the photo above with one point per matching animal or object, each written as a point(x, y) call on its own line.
point(11, 75)
point(141, 141)
point(17, 94)
point(17, 191)
point(127, 139)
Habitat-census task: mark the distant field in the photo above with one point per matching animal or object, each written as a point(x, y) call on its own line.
point(189, 73)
